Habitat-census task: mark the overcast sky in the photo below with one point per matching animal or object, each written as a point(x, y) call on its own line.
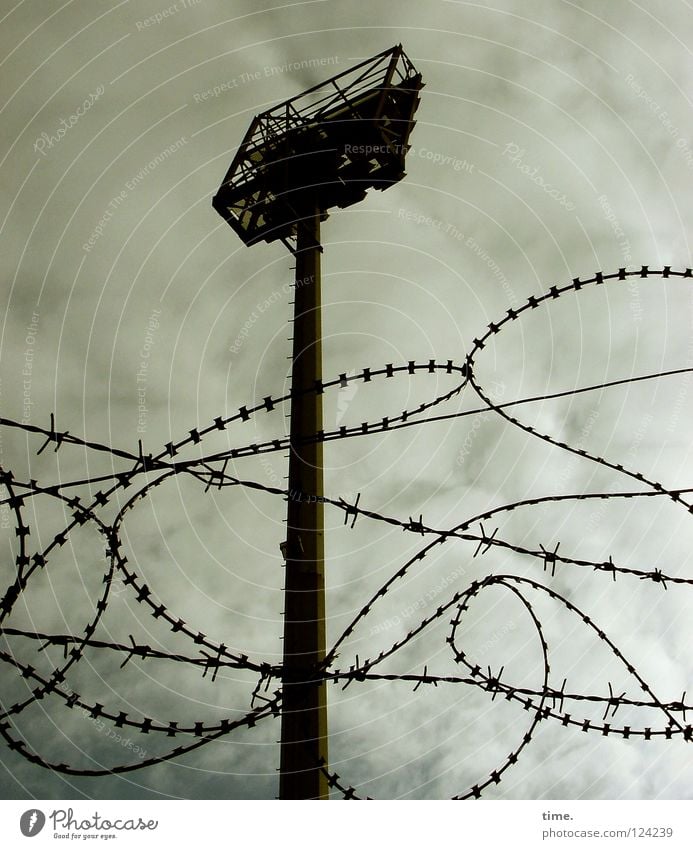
point(553, 140)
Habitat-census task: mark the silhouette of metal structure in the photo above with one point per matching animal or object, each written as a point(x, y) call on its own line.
point(323, 148)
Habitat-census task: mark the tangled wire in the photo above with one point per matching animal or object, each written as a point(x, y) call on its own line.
point(141, 473)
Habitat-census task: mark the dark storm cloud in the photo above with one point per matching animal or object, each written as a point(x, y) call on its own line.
point(552, 140)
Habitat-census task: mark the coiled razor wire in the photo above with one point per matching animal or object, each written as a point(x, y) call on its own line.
point(144, 472)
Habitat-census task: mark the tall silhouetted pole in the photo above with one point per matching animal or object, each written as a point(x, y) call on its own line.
point(323, 148)
point(304, 701)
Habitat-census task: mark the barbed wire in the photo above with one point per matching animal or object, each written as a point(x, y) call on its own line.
point(143, 473)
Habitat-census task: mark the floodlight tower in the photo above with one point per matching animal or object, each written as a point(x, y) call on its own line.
point(323, 148)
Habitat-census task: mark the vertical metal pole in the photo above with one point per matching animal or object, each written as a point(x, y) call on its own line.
point(304, 698)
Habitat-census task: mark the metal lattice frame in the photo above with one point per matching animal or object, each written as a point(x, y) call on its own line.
point(335, 140)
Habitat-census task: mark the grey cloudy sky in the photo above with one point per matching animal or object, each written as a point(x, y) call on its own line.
point(553, 140)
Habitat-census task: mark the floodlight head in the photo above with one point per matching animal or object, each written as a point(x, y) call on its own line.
point(323, 148)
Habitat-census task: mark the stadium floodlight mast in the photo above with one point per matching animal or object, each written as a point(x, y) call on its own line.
point(323, 148)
